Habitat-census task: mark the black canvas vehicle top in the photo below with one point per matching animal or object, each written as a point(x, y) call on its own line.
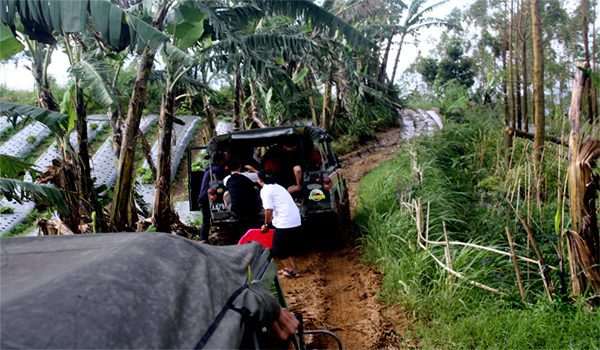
point(132, 291)
point(323, 194)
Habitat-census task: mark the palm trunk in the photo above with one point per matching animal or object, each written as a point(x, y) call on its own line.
point(511, 69)
point(123, 215)
point(518, 108)
point(525, 103)
point(585, 7)
point(384, 62)
point(163, 214)
point(538, 92)
point(402, 37)
point(508, 135)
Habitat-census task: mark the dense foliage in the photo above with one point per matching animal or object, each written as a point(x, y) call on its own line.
point(460, 172)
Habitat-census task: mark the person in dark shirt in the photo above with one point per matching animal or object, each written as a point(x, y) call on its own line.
point(243, 198)
point(217, 169)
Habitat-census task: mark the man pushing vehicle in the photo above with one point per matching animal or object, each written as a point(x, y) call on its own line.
point(281, 213)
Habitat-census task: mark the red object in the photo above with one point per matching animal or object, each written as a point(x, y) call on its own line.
point(265, 239)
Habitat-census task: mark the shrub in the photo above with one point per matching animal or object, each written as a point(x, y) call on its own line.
point(31, 139)
point(7, 210)
point(145, 175)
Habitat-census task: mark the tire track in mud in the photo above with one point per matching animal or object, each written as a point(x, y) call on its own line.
point(336, 290)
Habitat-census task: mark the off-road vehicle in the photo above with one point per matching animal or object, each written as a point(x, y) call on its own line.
point(323, 199)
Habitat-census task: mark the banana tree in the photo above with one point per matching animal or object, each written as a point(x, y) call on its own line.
point(415, 20)
point(12, 170)
point(177, 86)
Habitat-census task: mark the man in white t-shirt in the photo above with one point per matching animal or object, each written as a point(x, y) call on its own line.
point(281, 213)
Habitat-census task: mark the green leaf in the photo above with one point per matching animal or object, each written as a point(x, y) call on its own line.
point(13, 167)
point(56, 122)
point(9, 45)
point(299, 76)
point(145, 34)
point(93, 77)
point(177, 57)
point(317, 16)
point(67, 107)
point(21, 191)
point(188, 26)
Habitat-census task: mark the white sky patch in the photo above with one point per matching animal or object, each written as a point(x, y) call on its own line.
point(18, 77)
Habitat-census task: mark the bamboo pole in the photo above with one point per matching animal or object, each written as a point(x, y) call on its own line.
point(447, 253)
point(515, 262)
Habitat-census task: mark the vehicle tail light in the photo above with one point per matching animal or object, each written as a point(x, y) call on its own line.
point(326, 183)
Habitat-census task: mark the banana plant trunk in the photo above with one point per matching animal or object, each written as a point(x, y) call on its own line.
point(210, 118)
point(326, 111)
point(123, 215)
point(254, 106)
point(402, 37)
point(115, 124)
point(162, 214)
point(39, 69)
point(583, 238)
point(237, 103)
point(384, 62)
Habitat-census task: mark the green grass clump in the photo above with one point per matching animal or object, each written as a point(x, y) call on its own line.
point(28, 223)
point(463, 174)
point(7, 210)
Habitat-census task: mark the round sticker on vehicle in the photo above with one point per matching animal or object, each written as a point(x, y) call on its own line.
point(316, 195)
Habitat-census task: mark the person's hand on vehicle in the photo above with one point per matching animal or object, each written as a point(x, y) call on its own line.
point(285, 325)
point(264, 228)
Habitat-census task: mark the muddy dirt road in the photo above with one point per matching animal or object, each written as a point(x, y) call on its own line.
point(336, 290)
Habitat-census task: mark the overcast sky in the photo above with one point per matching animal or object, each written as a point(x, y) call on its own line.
point(17, 76)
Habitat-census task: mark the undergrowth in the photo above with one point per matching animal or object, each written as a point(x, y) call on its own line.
point(462, 174)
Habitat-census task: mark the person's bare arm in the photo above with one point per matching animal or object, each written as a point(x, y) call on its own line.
point(285, 325)
point(298, 178)
point(268, 219)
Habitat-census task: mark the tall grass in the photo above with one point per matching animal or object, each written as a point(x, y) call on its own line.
point(462, 173)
